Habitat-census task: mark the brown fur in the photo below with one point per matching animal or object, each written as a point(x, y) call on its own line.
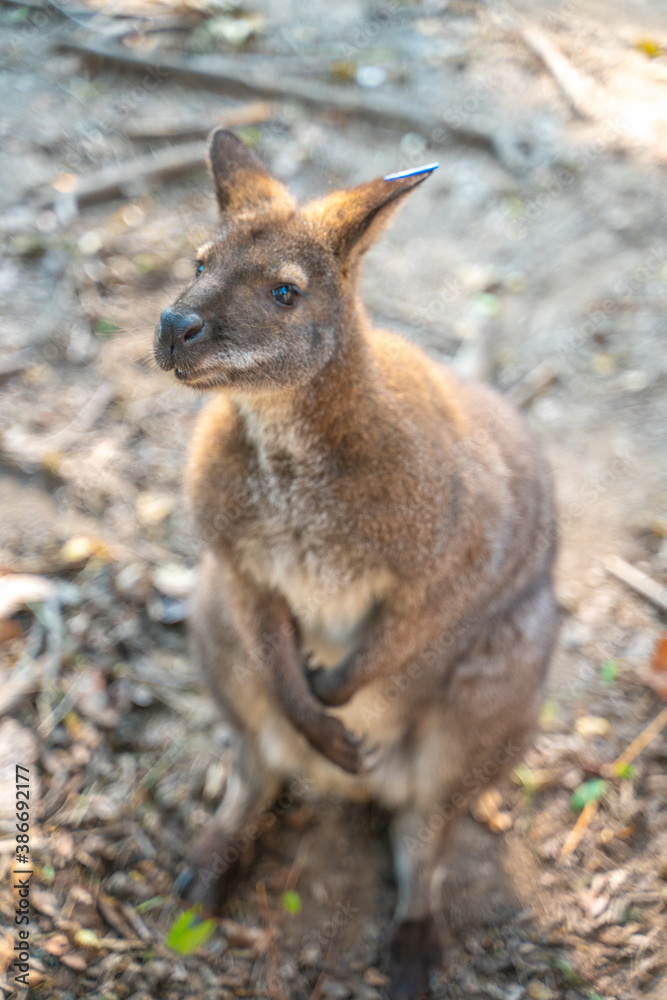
point(379, 537)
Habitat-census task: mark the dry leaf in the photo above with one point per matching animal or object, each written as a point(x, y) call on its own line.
point(57, 945)
point(22, 588)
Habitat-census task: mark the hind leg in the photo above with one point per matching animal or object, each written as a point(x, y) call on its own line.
point(215, 861)
point(419, 842)
point(468, 743)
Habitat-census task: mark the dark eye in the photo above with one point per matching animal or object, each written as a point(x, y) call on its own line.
point(199, 267)
point(285, 295)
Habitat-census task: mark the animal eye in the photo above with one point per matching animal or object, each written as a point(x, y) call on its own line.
point(199, 267)
point(285, 295)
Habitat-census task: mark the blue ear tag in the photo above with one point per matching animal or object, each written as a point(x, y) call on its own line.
point(412, 173)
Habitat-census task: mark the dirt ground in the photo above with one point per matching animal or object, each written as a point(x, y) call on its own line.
point(536, 257)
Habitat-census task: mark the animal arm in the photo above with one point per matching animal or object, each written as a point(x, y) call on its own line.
point(402, 629)
point(282, 660)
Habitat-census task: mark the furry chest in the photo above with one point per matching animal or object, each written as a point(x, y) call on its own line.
point(331, 602)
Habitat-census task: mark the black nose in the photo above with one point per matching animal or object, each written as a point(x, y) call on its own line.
point(178, 328)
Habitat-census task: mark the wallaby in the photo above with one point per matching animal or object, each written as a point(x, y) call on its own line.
point(374, 611)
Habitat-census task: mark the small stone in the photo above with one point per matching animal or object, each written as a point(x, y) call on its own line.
point(635, 380)
point(336, 990)
point(370, 76)
point(603, 364)
point(132, 581)
point(375, 978)
point(90, 242)
point(538, 991)
point(74, 960)
point(592, 725)
point(153, 508)
point(174, 580)
point(167, 610)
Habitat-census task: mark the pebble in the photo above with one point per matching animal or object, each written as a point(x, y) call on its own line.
point(539, 991)
point(336, 990)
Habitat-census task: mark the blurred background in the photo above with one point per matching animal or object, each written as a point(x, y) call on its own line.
point(534, 258)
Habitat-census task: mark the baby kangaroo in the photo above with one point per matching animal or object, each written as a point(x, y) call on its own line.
point(374, 610)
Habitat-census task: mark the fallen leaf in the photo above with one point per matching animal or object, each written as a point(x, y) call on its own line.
point(592, 725)
point(659, 661)
point(590, 791)
point(75, 960)
point(19, 589)
point(651, 47)
point(57, 945)
point(189, 932)
point(82, 548)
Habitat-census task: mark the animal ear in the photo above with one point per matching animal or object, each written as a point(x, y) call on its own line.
point(241, 180)
point(352, 220)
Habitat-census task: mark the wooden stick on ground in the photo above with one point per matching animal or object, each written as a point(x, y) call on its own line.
point(637, 581)
point(244, 76)
point(247, 114)
point(647, 735)
point(577, 90)
point(112, 181)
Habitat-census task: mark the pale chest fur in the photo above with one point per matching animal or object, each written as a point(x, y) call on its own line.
point(329, 599)
point(298, 547)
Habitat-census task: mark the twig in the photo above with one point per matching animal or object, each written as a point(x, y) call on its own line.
point(575, 87)
point(640, 742)
point(579, 829)
point(637, 581)
point(647, 735)
point(111, 181)
point(270, 920)
point(243, 77)
point(533, 383)
point(249, 114)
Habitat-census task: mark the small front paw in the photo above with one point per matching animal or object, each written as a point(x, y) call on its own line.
point(329, 685)
point(339, 745)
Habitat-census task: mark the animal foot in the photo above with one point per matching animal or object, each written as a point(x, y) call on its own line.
point(412, 952)
point(214, 867)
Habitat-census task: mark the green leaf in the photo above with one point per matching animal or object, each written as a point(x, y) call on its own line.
point(566, 970)
point(291, 901)
point(487, 304)
point(627, 771)
point(150, 904)
point(549, 712)
point(189, 932)
point(48, 875)
point(590, 791)
point(609, 671)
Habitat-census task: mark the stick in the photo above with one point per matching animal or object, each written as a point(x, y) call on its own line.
point(249, 114)
point(243, 77)
point(577, 90)
point(647, 735)
point(110, 181)
point(637, 581)
point(640, 742)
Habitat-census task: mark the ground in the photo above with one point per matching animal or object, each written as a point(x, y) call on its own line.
point(534, 257)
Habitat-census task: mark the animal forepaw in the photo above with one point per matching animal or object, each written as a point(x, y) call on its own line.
point(338, 744)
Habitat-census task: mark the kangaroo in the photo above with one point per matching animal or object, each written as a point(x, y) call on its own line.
point(374, 611)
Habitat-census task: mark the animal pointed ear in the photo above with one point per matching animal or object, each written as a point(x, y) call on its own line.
point(242, 182)
point(352, 220)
